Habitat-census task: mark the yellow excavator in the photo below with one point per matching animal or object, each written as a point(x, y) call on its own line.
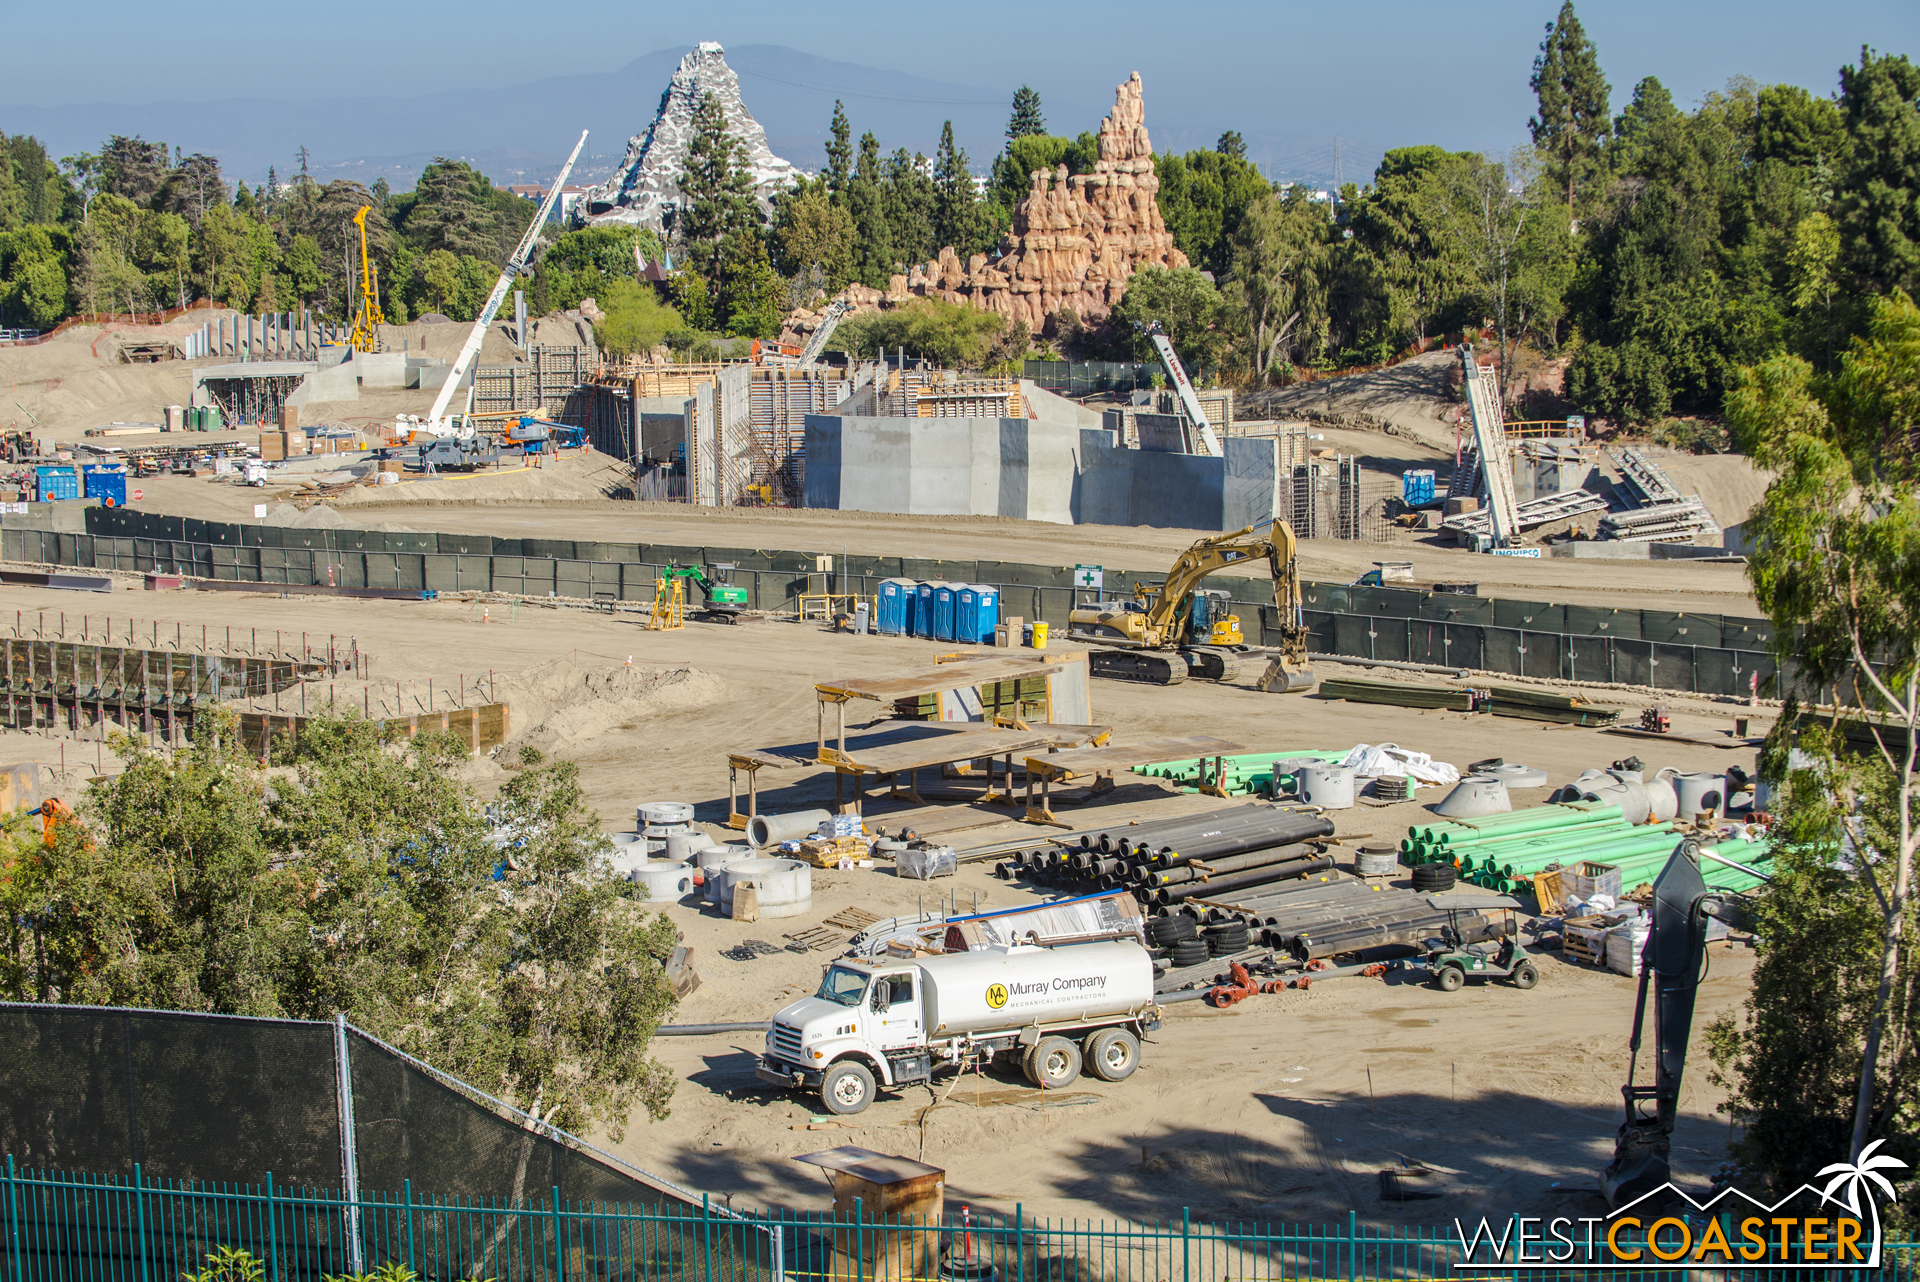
point(1163, 637)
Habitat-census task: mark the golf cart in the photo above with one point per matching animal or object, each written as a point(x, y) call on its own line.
point(1453, 962)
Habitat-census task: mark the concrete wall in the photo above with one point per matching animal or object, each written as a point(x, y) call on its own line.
point(1031, 469)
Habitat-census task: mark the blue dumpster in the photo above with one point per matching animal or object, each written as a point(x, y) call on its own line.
point(923, 610)
point(56, 483)
point(106, 482)
point(943, 610)
point(896, 596)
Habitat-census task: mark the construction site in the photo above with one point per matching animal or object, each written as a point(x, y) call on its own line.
point(1344, 729)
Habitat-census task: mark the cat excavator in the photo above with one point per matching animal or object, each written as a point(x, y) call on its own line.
point(1673, 966)
point(1164, 636)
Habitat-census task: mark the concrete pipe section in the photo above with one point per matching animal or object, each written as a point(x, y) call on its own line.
point(771, 830)
point(660, 813)
point(662, 881)
point(1474, 796)
point(1326, 785)
point(1699, 793)
point(785, 886)
point(681, 847)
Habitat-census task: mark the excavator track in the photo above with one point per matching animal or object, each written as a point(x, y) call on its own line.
point(1143, 666)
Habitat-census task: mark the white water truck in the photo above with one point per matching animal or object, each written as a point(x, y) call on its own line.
point(888, 1022)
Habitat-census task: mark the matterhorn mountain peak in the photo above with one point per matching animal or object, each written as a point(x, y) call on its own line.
point(645, 189)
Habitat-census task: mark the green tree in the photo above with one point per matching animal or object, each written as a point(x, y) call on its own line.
point(815, 237)
point(1650, 108)
point(1187, 304)
point(692, 300)
point(717, 189)
point(839, 151)
point(634, 319)
point(1812, 261)
point(44, 193)
point(33, 276)
point(1573, 120)
point(753, 298)
point(1836, 566)
point(304, 275)
point(1401, 226)
point(867, 202)
point(950, 334)
point(1275, 289)
point(1878, 204)
point(449, 211)
point(955, 213)
point(910, 202)
point(1013, 169)
point(1203, 195)
point(442, 276)
point(1026, 120)
point(1232, 145)
point(134, 169)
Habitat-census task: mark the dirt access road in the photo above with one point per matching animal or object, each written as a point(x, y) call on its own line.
point(1261, 1112)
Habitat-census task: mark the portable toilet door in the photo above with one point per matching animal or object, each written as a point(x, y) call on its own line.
point(986, 612)
point(943, 610)
point(923, 610)
point(894, 596)
point(966, 613)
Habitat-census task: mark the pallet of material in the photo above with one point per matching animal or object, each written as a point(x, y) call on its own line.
point(1584, 939)
point(1542, 705)
point(1400, 694)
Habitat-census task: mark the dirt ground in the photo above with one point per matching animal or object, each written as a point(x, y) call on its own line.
point(1283, 1108)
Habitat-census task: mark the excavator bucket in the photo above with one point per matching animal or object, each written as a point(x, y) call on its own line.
point(1281, 679)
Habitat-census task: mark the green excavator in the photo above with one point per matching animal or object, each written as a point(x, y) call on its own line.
point(724, 600)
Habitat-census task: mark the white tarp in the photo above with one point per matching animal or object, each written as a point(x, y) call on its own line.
point(1372, 761)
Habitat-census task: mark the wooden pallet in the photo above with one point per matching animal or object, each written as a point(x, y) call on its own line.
point(1588, 949)
point(851, 919)
point(812, 939)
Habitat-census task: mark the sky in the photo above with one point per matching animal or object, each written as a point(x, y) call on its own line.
point(1373, 75)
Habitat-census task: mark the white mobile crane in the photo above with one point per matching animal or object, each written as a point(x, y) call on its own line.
point(439, 422)
point(772, 353)
point(1177, 375)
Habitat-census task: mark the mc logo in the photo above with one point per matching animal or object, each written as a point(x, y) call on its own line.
point(996, 995)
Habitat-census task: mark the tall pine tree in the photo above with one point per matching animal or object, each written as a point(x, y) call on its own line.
point(1574, 119)
point(1879, 191)
point(954, 219)
point(872, 229)
point(717, 192)
point(1026, 120)
point(839, 151)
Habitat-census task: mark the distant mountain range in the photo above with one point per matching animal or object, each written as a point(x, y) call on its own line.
point(522, 134)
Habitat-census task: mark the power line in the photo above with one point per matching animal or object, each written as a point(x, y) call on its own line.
point(877, 97)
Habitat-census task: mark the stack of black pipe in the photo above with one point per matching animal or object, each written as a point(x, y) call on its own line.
point(1164, 863)
point(1328, 918)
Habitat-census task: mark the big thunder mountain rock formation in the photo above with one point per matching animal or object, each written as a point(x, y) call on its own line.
point(645, 189)
point(1076, 239)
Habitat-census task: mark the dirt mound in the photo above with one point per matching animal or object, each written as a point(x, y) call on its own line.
point(574, 479)
point(558, 707)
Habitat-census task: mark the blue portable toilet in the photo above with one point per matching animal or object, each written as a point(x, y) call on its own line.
point(943, 610)
point(895, 598)
point(923, 610)
point(966, 612)
point(986, 611)
point(1417, 488)
point(106, 482)
point(57, 483)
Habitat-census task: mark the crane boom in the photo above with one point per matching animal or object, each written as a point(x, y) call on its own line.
point(437, 422)
point(836, 312)
point(1177, 375)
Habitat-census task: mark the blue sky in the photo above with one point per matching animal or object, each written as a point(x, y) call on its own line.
point(1376, 75)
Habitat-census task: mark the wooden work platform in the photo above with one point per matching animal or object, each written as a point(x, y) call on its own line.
point(967, 670)
point(1101, 762)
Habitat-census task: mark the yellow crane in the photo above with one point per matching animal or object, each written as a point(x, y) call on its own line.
point(1181, 631)
point(367, 320)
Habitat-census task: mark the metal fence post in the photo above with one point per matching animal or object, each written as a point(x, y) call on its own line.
point(859, 1245)
point(1353, 1245)
point(1019, 1245)
point(349, 1158)
point(706, 1230)
point(779, 1232)
point(407, 1192)
point(140, 1217)
point(13, 1218)
point(1186, 1244)
point(273, 1234)
point(559, 1247)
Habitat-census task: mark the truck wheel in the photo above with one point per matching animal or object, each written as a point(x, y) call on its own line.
point(1053, 1062)
point(1112, 1054)
point(1525, 976)
point(847, 1087)
point(1450, 978)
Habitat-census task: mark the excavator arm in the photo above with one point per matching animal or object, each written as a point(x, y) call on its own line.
point(1167, 617)
point(1672, 965)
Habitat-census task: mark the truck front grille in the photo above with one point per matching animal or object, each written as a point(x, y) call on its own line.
point(786, 1043)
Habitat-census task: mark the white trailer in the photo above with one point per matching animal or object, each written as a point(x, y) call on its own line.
point(887, 1022)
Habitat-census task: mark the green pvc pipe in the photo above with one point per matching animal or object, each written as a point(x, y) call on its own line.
point(1534, 818)
point(1522, 832)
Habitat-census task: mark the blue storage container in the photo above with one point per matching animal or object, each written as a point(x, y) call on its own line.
point(896, 596)
point(1416, 488)
point(986, 615)
point(923, 610)
point(943, 610)
point(106, 482)
point(57, 483)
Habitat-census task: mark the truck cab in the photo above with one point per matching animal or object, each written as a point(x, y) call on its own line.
point(862, 1028)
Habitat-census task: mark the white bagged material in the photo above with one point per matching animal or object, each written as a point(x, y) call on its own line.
point(1624, 946)
point(1372, 761)
point(924, 863)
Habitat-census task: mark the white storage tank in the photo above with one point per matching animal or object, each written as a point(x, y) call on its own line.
point(998, 988)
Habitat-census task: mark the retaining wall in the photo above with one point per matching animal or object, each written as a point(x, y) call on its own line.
point(1703, 653)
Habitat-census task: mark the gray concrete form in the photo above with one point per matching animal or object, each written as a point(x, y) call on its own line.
point(1703, 654)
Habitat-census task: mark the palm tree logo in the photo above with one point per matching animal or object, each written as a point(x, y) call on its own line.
point(1863, 1174)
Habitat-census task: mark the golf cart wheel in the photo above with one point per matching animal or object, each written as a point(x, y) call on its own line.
point(1525, 976)
point(1112, 1054)
point(1450, 979)
point(847, 1087)
point(1053, 1063)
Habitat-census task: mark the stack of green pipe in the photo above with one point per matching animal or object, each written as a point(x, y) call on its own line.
point(1448, 841)
point(1243, 774)
point(1626, 849)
